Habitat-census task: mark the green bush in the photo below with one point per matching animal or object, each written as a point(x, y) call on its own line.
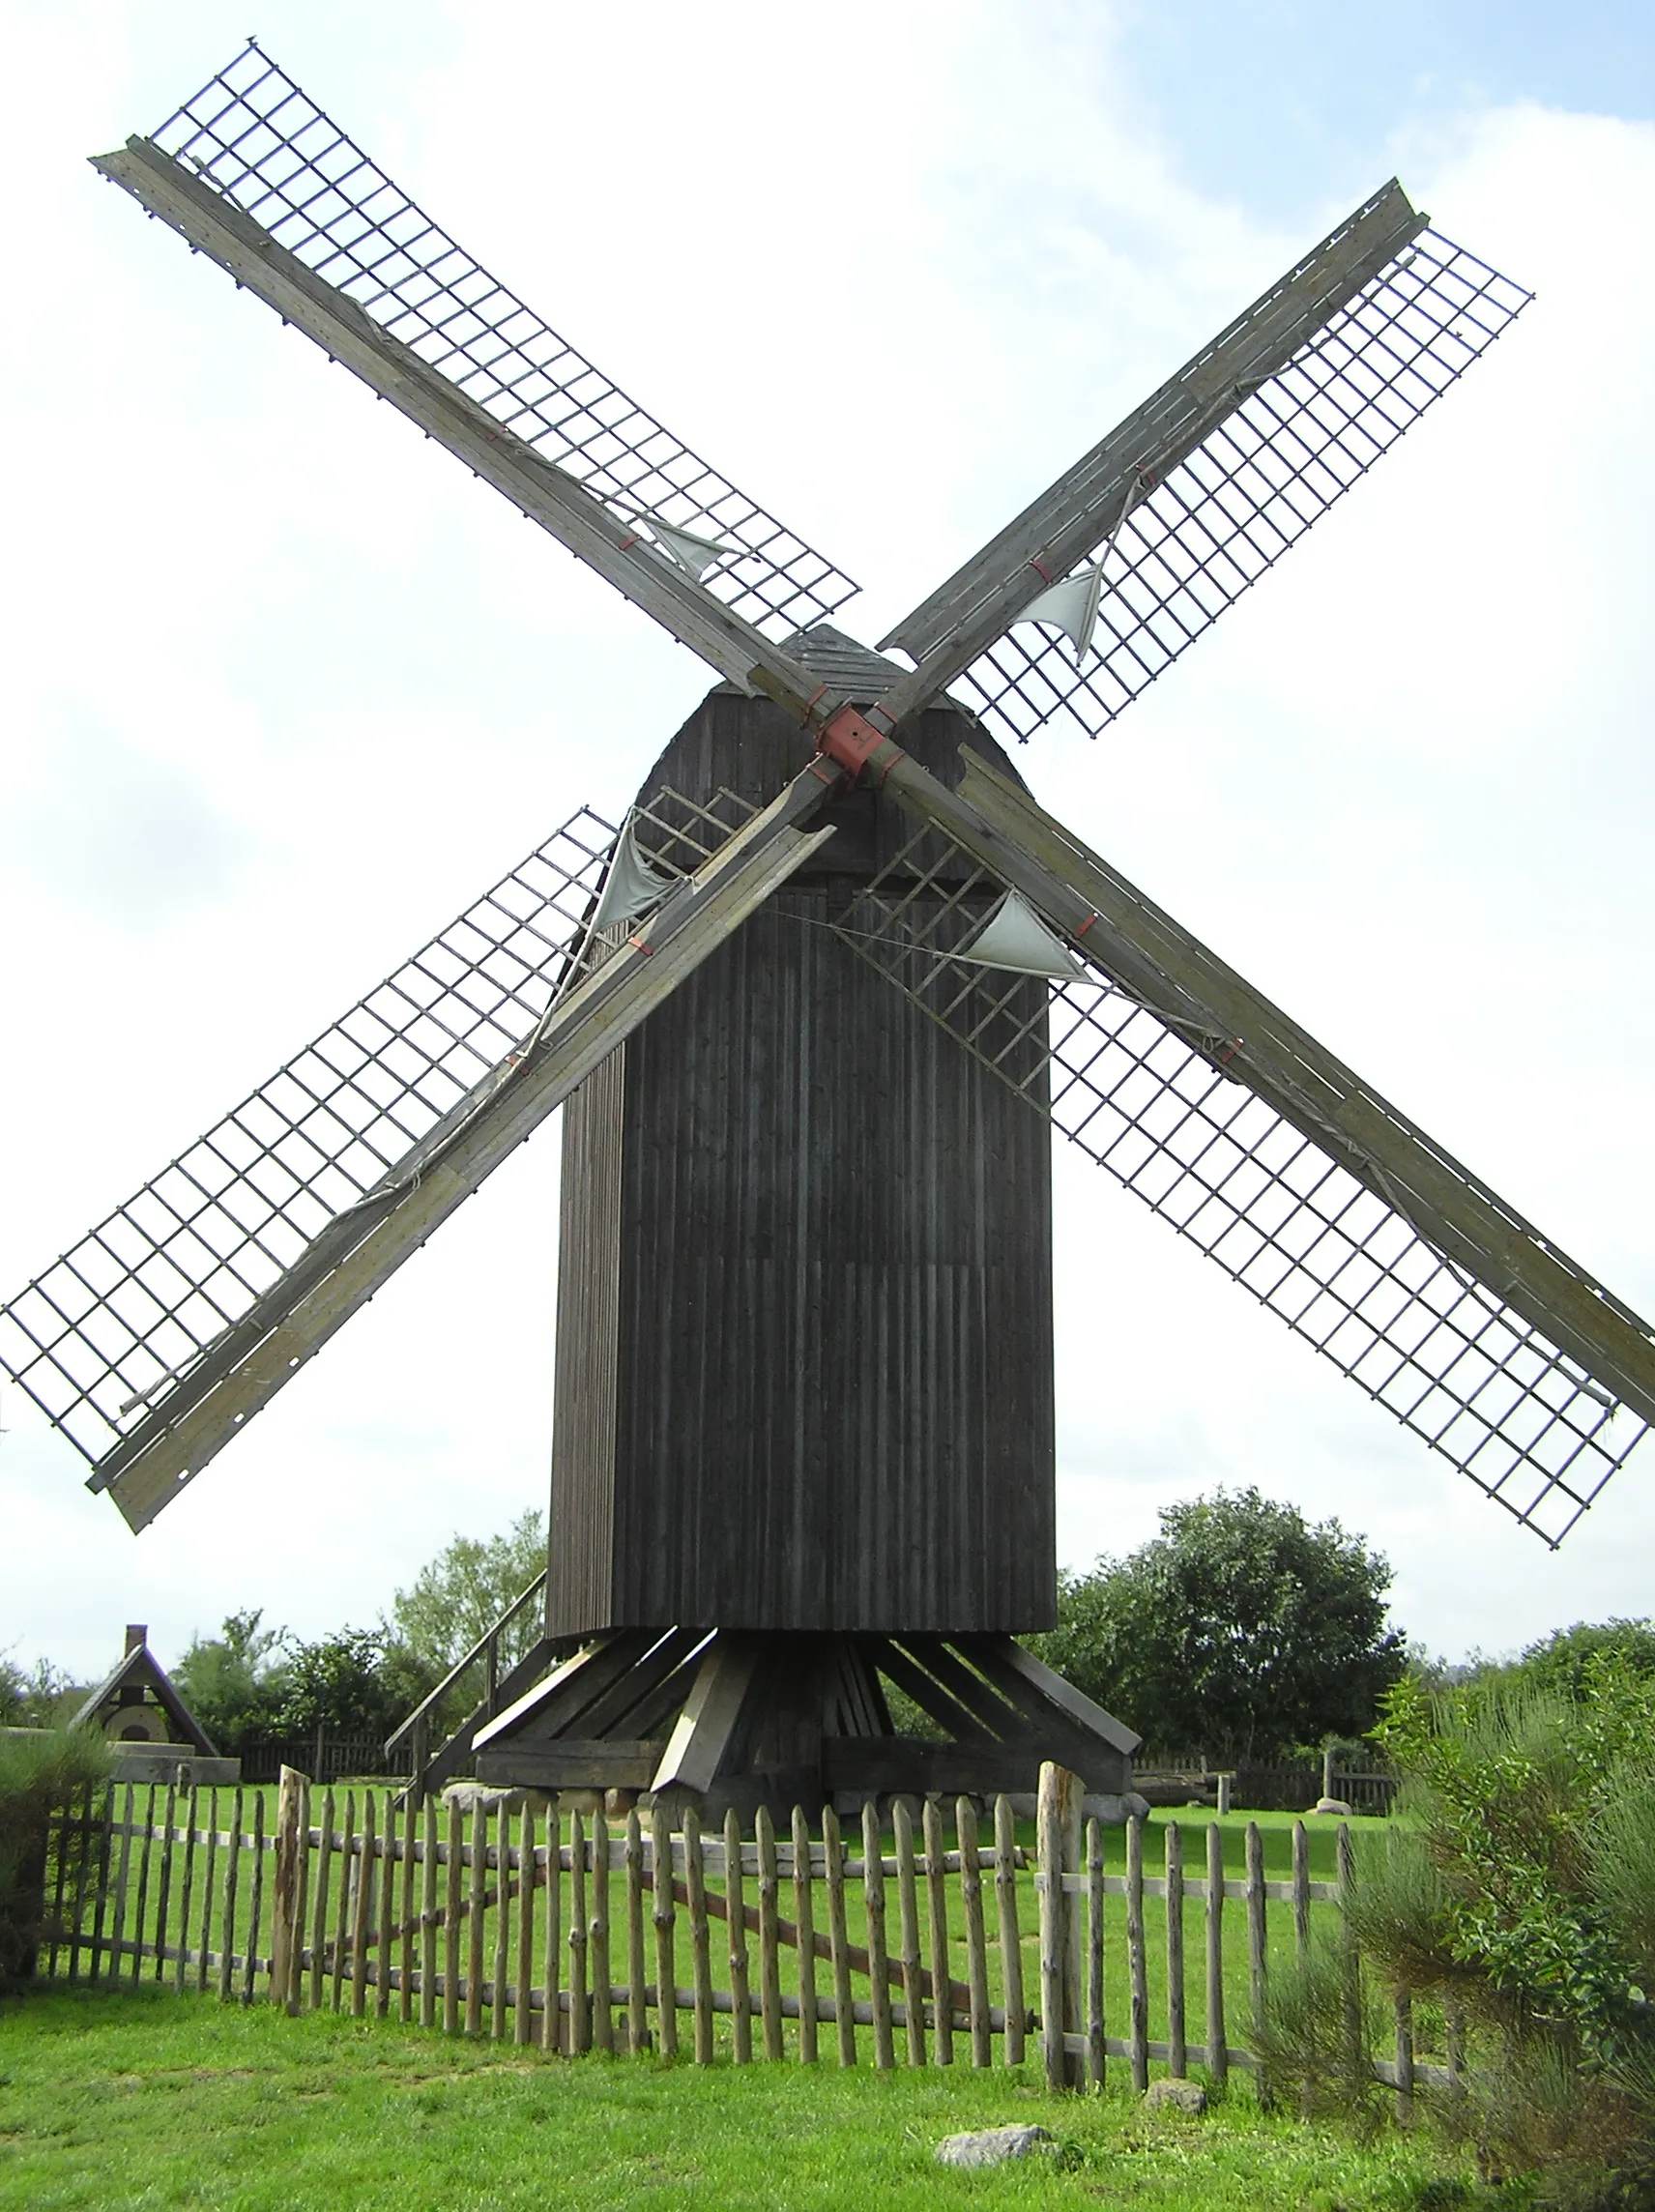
point(39, 1773)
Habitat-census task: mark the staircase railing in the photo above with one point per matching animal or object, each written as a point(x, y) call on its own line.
point(429, 1768)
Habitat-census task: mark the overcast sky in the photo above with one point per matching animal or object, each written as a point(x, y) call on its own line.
point(285, 687)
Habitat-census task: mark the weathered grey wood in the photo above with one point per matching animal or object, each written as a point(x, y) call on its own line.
point(286, 1912)
point(118, 1932)
point(1010, 1935)
point(602, 1985)
point(770, 1914)
point(255, 1903)
point(142, 1903)
point(702, 1731)
point(878, 1958)
point(430, 1937)
point(1177, 2061)
point(551, 1971)
point(908, 1933)
point(666, 1950)
point(580, 1964)
point(361, 1903)
point(453, 1906)
point(637, 1965)
point(1095, 1932)
point(407, 1872)
point(805, 1938)
point(502, 1928)
point(838, 1943)
point(976, 1945)
point(700, 1944)
point(1137, 1955)
point(163, 1888)
point(936, 1917)
point(1049, 1851)
point(319, 1912)
point(209, 1892)
point(388, 1925)
point(350, 1879)
point(186, 1892)
point(1257, 1946)
point(99, 1911)
point(522, 1995)
point(477, 1892)
point(232, 1878)
point(740, 1998)
point(1300, 1889)
point(1217, 2043)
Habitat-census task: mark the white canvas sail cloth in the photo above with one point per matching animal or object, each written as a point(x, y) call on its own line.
point(697, 556)
point(631, 886)
point(1070, 606)
point(1013, 936)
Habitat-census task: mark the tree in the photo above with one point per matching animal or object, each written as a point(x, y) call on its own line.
point(233, 1682)
point(1240, 1628)
point(341, 1683)
point(31, 1696)
point(453, 1602)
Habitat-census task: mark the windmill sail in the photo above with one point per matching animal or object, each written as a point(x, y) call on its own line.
point(1210, 482)
point(1300, 1182)
point(163, 1330)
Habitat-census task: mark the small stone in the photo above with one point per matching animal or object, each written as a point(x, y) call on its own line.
point(1335, 1805)
point(993, 2147)
point(1175, 2097)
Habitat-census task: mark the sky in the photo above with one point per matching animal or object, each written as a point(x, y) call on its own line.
point(285, 687)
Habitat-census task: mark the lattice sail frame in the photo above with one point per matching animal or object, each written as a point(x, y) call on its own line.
point(255, 136)
point(1188, 544)
point(1343, 1267)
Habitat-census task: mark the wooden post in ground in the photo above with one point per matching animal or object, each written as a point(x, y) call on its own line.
point(362, 1904)
point(598, 1958)
point(700, 1944)
point(666, 1948)
point(976, 1943)
point(1178, 2042)
point(551, 2021)
point(839, 1940)
point(1094, 1930)
point(804, 1919)
point(736, 1923)
point(908, 1933)
point(770, 1915)
point(522, 2013)
point(1257, 1945)
point(1010, 1933)
point(637, 1964)
point(476, 1907)
point(1057, 1811)
point(936, 1917)
point(1217, 2043)
point(1137, 1956)
point(1300, 1889)
point(286, 1934)
point(319, 1918)
point(873, 1900)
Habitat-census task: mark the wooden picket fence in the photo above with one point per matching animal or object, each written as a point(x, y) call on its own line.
point(569, 1930)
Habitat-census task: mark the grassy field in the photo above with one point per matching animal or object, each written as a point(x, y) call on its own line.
point(149, 2098)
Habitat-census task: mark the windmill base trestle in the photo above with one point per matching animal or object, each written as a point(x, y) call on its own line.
point(732, 1719)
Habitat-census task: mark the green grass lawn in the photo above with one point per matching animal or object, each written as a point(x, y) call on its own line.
point(149, 2098)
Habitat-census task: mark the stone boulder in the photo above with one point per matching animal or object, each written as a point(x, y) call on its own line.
point(1176, 2097)
point(994, 2146)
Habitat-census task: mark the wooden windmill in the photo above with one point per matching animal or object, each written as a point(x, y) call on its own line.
point(813, 1007)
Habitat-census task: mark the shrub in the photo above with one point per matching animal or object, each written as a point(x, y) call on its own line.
point(39, 1773)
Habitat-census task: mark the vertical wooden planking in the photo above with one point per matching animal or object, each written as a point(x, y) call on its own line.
point(350, 1879)
point(501, 1974)
point(100, 1909)
point(700, 1948)
point(523, 2011)
point(1405, 2059)
point(804, 1919)
point(362, 1904)
point(163, 1891)
point(637, 1964)
point(430, 1940)
point(878, 1961)
point(1178, 2032)
point(287, 1913)
point(319, 1917)
point(453, 1894)
point(908, 1931)
point(839, 1941)
point(254, 1908)
point(937, 1914)
point(769, 1913)
point(232, 1877)
point(1217, 2037)
point(388, 1870)
point(551, 2020)
point(741, 1996)
point(603, 1977)
point(580, 2007)
point(1010, 1934)
point(976, 1942)
point(1257, 1952)
point(141, 1905)
point(208, 1892)
point(666, 1931)
point(118, 1932)
point(1137, 1955)
point(1300, 1889)
point(1094, 1955)
point(477, 1905)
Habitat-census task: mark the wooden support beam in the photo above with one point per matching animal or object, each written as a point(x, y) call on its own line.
point(708, 1721)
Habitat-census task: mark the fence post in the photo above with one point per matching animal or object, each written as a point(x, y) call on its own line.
point(286, 1942)
point(1057, 1811)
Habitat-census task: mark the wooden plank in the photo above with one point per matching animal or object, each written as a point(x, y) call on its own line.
point(1003, 1660)
point(976, 1942)
point(250, 1970)
point(637, 1964)
point(477, 1892)
point(502, 1927)
point(1217, 2045)
point(702, 1731)
point(579, 1937)
point(603, 1985)
point(208, 1891)
point(319, 1917)
point(908, 1933)
point(1300, 1889)
point(286, 1912)
point(770, 1909)
point(571, 1765)
point(1010, 1935)
point(163, 1892)
point(873, 1900)
point(838, 1943)
point(663, 1916)
point(1049, 1851)
point(232, 1880)
point(407, 1869)
point(119, 1931)
point(736, 1921)
point(302, 1903)
point(805, 1920)
point(937, 1918)
point(1178, 2045)
point(350, 1879)
point(551, 1973)
point(523, 2010)
point(1256, 1953)
point(700, 1947)
point(429, 1923)
point(186, 1888)
point(388, 1923)
point(1094, 2059)
point(141, 1908)
point(453, 1906)
point(1137, 1956)
point(99, 1911)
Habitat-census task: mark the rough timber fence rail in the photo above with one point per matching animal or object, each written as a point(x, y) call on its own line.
point(948, 1939)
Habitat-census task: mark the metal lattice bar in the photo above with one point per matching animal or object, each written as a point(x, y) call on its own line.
point(132, 1306)
point(1319, 1247)
point(1189, 544)
point(256, 138)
